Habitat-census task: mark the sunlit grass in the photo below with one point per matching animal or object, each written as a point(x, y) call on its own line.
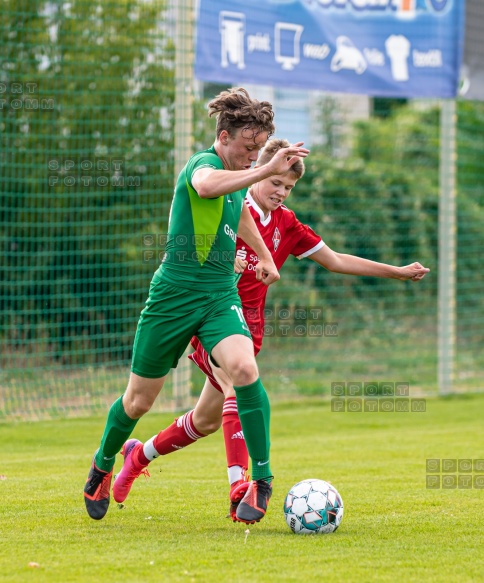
point(173, 526)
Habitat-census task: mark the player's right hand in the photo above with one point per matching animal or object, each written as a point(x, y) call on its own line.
point(266, 271)
point(286, 157)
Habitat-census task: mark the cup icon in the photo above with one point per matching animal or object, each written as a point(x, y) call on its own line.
point(398, 50)
point(232, 31)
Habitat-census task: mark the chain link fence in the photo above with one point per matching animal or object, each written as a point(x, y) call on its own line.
point(99, 110)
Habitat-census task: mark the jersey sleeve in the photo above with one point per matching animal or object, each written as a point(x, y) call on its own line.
point(306, 241)
point(202, 160)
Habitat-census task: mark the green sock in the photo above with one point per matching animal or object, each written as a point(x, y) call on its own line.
point(255, 415)
point(118, 429)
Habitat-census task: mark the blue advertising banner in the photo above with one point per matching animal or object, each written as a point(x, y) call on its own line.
point(394, 48)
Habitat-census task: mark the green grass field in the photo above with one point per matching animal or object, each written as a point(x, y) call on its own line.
point(173, 526)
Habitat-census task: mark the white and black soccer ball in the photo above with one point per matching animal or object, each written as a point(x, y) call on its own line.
point(313, 507)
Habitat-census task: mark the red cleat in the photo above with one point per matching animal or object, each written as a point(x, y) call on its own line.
point(237, 492)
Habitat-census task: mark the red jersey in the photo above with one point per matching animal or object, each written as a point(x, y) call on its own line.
point(283, 235)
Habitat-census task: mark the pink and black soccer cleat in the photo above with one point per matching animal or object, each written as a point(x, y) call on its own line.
point(129, 472)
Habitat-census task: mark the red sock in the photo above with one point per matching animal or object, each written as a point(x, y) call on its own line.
point(235, 447)
point(178, 435)
point(139, 457)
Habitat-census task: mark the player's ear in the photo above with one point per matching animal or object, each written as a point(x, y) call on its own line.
point(224, 137)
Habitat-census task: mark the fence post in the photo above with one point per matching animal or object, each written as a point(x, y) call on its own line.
point(447, 246)
point(183, 146)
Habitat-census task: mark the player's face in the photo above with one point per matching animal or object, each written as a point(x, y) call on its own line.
point(271, 192)
point(240, 151)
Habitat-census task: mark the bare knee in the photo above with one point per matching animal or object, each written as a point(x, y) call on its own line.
point(136, 405)
point(244, 372)
point(207, 417)
point(207, 426)
point(140, 395)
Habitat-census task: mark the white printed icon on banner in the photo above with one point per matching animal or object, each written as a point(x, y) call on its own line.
point(347, 56)
point(232, 31)
point(287, 38)
point(398, 50)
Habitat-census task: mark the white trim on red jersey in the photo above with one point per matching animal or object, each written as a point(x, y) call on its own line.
point(317, 247)
point(264, 221)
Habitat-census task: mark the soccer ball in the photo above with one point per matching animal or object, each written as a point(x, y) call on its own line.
point(313, 507)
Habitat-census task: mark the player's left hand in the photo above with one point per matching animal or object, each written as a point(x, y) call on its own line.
point(415, 271)
point(266, 271)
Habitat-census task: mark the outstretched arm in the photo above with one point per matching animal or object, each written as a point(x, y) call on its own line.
point(354, 265)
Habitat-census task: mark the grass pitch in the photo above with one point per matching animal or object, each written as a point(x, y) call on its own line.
point(173, 526)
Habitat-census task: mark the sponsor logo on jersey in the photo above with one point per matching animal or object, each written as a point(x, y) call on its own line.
point(276, 239)
point(242, 253)
point(230, 232)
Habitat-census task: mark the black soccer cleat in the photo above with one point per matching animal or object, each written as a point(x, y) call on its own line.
point(96, 492)
point(253, 505)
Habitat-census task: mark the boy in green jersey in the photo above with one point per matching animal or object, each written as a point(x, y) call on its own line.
point(193, 293)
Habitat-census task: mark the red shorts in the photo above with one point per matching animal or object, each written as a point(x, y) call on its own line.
point(200, 356)
point(255, 321)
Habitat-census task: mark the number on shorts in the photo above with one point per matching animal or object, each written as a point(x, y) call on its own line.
point(240, 313)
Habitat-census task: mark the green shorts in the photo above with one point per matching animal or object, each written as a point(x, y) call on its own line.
point(173, 315)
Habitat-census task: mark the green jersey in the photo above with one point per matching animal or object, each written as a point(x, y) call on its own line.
point(202, 232)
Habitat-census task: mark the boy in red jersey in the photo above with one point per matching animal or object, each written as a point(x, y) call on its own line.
point(283, 235)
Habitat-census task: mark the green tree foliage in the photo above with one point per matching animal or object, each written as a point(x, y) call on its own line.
point(85, 84)
point(87, 166)
point(470, 217)
point(381, 202)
